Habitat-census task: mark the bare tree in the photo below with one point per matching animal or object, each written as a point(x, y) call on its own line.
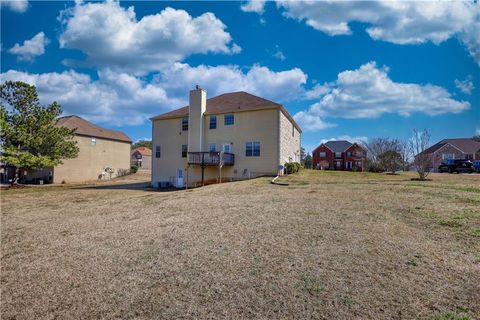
point(379, 153)
point(390, 160)
point(405, 151)
point(419, 143)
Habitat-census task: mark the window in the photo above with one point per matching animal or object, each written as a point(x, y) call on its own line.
point(226, 147)
point(293, 130)
point(468, 156)
point(323, 154)
point(213, 122)
point(228, 119)
point(185, 124)
point(157, 152)
point(252, 149)
point(338, 154)
point(212, 147)
point(349, 154)
point(447, 156)
point(93, 142)
point(184, 150)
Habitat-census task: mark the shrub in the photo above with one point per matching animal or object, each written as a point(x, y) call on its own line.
point(122, 172)
point(292, 167)
point(134, 168)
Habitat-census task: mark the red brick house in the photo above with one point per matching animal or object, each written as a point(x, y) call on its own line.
point(463, 148)
point(142, 157)
point(339, 155)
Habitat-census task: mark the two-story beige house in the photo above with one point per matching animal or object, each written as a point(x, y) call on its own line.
point(103, 154)
point(231, 136)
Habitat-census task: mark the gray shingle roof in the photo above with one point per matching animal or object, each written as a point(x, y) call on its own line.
point(466, 145)
point(338, 145)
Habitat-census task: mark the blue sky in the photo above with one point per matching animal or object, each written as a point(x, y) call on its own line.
point(353, 70)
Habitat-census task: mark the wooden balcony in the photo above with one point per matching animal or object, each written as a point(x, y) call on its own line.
point(211, 158)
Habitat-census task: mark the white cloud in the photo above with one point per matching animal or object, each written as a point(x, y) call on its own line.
point(477, 132)
point(399, 22)
point(466, 86)
point(117, 99)
point(15, 5)
point(317, 91)
point(279, 54)
point(143, 139)
point(368, 92)
point(257, 6)
point(357, 139)
point(471, 38)
point(112, 37)
point(32, 48)
point(311, 122)
point(122, 99)
point(259, 80)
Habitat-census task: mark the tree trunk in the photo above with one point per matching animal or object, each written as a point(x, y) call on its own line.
point(15, 177)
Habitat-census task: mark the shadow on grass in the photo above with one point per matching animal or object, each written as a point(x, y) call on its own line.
point(125, 186)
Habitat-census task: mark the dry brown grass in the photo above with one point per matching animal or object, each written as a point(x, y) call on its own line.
point(330, 245)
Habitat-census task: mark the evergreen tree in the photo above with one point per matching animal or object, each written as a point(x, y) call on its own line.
point(28, 134)
point(143, 143)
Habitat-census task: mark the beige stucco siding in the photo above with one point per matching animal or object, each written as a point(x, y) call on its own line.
point(92, 159)
point(279, 143)
point(169, 136)
point(261, 126)
point(289, 141)
point(146, 162)
point(249, 126)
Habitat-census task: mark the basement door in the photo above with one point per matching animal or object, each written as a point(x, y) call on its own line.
point(179, 178)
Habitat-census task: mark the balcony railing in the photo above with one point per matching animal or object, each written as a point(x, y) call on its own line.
point(212, 158)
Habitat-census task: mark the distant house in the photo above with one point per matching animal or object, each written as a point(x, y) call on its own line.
point(339, 155)
point(231, 136)
point(462, 148)
point(99, 149)
point(142, 157)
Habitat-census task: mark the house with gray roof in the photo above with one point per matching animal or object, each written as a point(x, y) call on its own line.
point(339, 155)
point(459, 148)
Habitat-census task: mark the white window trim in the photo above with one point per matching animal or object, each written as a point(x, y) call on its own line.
point(451, 154)
point(229, 147)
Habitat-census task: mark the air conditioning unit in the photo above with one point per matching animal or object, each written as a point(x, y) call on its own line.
point(164, 184)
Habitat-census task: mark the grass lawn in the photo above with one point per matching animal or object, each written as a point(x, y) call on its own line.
point(328, 246)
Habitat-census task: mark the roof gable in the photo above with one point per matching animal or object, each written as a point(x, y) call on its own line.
point(86, 128)
point(144, 151)
point(465, 145)
point(338, 145)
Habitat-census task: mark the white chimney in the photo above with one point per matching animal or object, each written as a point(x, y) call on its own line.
point(196, 109)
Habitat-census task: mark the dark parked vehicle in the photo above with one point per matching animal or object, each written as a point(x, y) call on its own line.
point(457, 166)
point(476, 165)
